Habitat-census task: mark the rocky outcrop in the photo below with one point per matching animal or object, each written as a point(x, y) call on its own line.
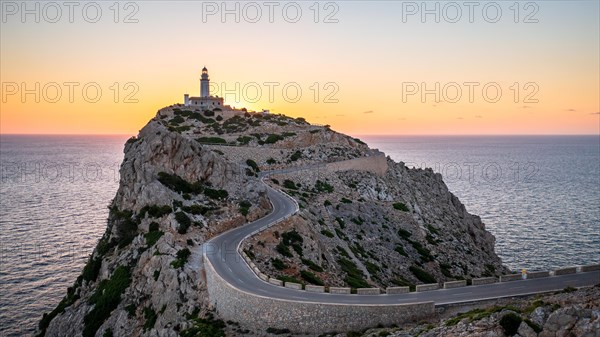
point(190, 175)
point(569, 313)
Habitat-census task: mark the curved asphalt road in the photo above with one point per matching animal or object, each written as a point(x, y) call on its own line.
point(223, 253)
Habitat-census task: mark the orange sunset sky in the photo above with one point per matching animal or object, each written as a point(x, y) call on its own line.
point(361, 67)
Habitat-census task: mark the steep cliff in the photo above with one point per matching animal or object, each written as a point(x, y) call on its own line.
point(189, 175)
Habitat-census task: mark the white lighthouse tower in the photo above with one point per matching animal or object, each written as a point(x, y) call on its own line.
point(204, 84)
point(205, 101)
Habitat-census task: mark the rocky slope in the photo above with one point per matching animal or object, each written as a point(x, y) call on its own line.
point(568, 313)
point(190, 175)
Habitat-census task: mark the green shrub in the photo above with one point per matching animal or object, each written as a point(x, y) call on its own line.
point(283, 250)
point(152, 237)
point(424, 252)
point(153, 226)
point(244, 140)
point(155, 211)
point(182, 257)
point(400, 250)
point(311, 278)
point(126, 226)
point(195, 209)
point(322, 186)
point(276, 331)
point(291, 237)
point(278, 264)
point(91, 269)
point(216, 194)
point(341, 222)
point(327, 233)
point(354, 276)
point(422, 275)
point(178, 184)
point(296, 155)
point(271, 139)
point(372, 268)
point(149, 318)
point(287, 278)
point(105, 299)
point(245, 207)
point(253, 165)
point(289, 184)
point(312, 265)
point(401, 207)
point(211, 140)
point(346, 201)
point(432, 229)
point(184, 222)
point(510, 323)
point(403, 233)
point(327, 203)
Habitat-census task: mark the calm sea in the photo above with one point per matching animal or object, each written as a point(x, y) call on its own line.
point(540, 197)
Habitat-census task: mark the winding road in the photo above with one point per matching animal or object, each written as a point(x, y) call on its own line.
point(224, 256)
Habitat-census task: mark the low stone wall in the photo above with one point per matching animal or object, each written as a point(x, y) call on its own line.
point(260, 313)
point(339, 290)
point(293, 285)
point(368, 291)
point(376, 164)
point(427, 287)
point(314, 289)
point(483, 280)
point(397, 290)
point(565, 271)
point(511, 277)
point(538, 274)
point(276, 282)
point(591, 267)
point(455, 284)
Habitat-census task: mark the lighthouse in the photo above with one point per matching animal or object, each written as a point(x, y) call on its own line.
point(205, 101)
point(204, 84)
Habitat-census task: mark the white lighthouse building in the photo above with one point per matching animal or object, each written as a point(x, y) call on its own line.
point(205, 101)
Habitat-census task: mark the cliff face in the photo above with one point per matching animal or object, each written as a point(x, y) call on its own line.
point(180, 185)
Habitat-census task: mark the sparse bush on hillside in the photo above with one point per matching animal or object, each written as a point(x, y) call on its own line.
point(211, 140)
point(278, 264)
point(322, 186)
point(105, 299)
point(289, 184)
point(178, 184)
point(400, 206)
point(184, 222)
point(245, 207)
point(216, 194)
point(354, 277)
point(422, 275)
point(311, 278)
point(181, 258)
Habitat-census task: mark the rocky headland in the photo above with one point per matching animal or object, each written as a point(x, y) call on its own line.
point(364, 221)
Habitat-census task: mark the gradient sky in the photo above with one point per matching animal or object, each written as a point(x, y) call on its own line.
point(372, 55)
